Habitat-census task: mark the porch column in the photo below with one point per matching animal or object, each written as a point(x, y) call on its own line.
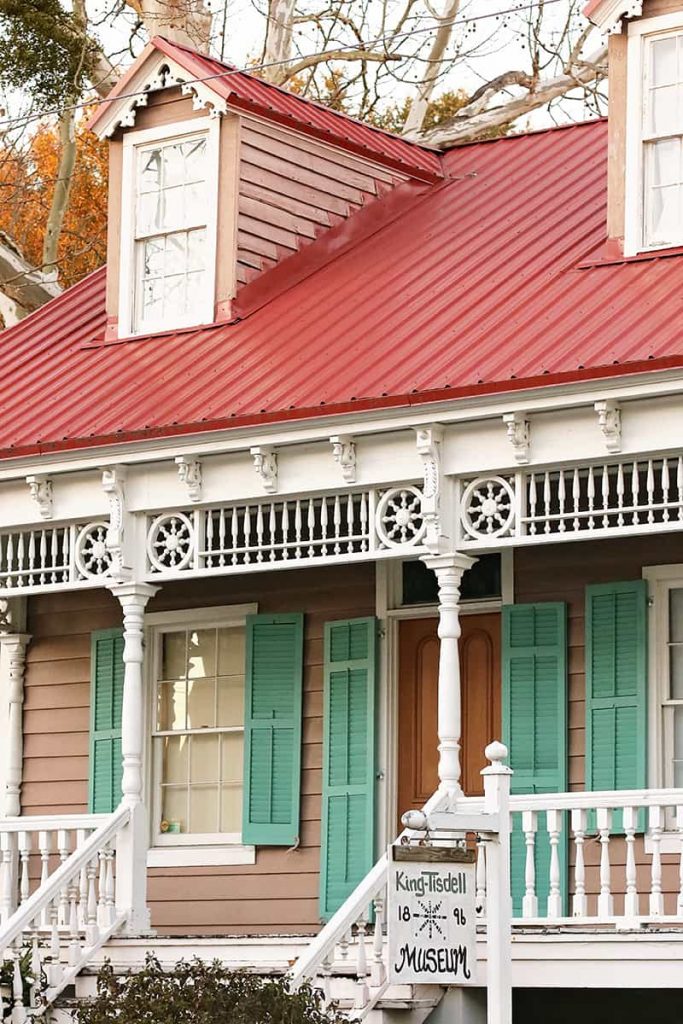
point(131, 852)
point(12, 664)
point(449, 570)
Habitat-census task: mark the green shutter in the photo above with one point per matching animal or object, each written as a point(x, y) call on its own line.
point(106, 702)
point(535, 725)
point(616, 686)
point(348, 811)
point(272, 729)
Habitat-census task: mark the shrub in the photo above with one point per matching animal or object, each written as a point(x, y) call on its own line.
point(195, 992)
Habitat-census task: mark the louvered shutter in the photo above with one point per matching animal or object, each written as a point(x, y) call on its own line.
point(616, 686)
point(348, 805)
point(535, 725)
point(272, 729)
point(106, 703)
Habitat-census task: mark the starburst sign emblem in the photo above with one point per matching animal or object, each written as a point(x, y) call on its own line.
point(431, 917)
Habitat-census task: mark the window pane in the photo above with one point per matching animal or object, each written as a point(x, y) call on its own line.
point(230, 700)
point(231, 809)
point(201, 703)
point(173, 655)
point(678, 746)
point(174, 165)
point(195, 254)
point(150, 216)
point(202, 653)
point(195, 154)
point(666, 162)
point(204, 764)
point(664, 215)
point(174, 759)
point(676, 671)
point(150, 171)
point(231, 651)
point(153, 256)
point(664, 62)
point(176, 253)
point(152, 299)
point(664, 110)
point(232, 751)
point(172, 705)
point(174, 808)
point(676, 615)
point(204, 809)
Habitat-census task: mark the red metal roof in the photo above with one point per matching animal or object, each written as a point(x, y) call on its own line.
point(489, 281)
point(247, 92)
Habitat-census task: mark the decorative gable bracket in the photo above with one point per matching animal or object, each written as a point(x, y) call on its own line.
point(153, 76)
point(519, 436)
point(428, 440)
point(41, 492)
point(190, 474)
point(609, 15)
point(265, 464)
point(113, 484)
point(344, 453)
point(609, 421)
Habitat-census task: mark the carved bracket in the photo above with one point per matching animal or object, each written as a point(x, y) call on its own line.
point(609, 14)
point(190, 474)
point(609, 421)
point(113, 483)
point(519, 435)
point(41, 492)
point(428, 441)
point(265, 464)
point(344, 452)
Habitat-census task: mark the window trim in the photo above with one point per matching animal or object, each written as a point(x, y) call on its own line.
point(212, 849)
point(128, 284)
point(661, 579)
point(639, 32)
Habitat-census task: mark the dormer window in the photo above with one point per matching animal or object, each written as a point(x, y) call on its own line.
point(168, 244)
point(654, 164)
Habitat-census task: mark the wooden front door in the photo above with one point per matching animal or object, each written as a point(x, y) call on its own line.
point(418, 667)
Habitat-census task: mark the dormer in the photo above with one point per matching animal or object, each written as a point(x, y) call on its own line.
point(645, 183)
point(217, 178)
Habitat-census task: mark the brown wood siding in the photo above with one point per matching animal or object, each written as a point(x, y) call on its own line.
point(291, 189)
point(278, 894)
point(561, 572)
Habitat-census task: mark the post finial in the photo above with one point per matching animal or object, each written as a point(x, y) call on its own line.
point(496, 751)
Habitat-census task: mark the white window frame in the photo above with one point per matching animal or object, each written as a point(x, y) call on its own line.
point(187, 850)
point(203, 308)
point(639, 34)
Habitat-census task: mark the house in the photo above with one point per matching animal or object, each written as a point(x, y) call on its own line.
point(332, 391)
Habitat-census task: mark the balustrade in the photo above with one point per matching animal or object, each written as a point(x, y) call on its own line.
point(53, 556)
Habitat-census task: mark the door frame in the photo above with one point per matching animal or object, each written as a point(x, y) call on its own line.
point(388, 597)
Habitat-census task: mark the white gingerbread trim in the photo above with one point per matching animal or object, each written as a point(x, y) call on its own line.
point(158, 72)
point(265, 464)
point(428, 441)
point(190, 474)
point(609, 421)
point(519, 435)
point(113, 484)
point(608, 16)
point(344, 454)
point(41, 492)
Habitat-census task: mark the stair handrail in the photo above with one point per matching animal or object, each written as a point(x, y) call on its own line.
point(311, 960)
point(40, 900)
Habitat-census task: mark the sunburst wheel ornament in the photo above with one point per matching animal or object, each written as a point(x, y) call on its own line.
point(170, 542)
point(488, 507)
point(92, 556)
point(400, 520)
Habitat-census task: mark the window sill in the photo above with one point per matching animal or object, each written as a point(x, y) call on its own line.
point(199, 856)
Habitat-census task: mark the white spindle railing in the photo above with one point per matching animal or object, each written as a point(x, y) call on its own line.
point(345, 526)
point(72, 910)
point(607, 498)
point(44, 557)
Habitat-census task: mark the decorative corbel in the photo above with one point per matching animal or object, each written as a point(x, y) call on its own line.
point(190, 474)
point(41, 492)
point(428, 441)
point(609, 421)
point(113, 483)
point(265, 464)
point(344, 452)
point(519, 435)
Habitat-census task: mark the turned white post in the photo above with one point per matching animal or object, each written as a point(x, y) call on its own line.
point(449, 570)
point(131, 849)
point(13, 659)
point(498, 896)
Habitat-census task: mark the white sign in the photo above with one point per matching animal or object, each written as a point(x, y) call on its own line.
point(431, 916)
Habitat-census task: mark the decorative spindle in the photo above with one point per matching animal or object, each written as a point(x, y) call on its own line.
point(656, 822)
point(24, 843)
point(235, 534)
point(63, 849)
point(530, 900)
point(546, 501)
point(605, 496)
point(364, 522)
point(378, 974)
point(259, 533)
point(208, 537)
point(337, 519)
point(605, 899)
point(362, 992)
point(561, 499)
point(650, 489)
point(630, 821)
point(18, 1009)
point(532, 503)
point(310, 524)
point(590, 492)
point(480, 879)
point(620, 494)
point(349, 522)
point(298, 526)
point(635, 493)
point(272, 531)
point(74, 932)
point(285, 530)
point(92, 931)
point(665, 490)
point(247, 534)
point(576, 499)
point(579, 903)
point(554, 827)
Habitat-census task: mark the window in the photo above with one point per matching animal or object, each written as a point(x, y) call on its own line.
point(654, 164)
point(169, 242)
point(666, 673)
point(197, 727)
point(480, 583)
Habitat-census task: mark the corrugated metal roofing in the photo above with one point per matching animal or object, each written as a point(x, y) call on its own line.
point(255, 94)
point(487, 282)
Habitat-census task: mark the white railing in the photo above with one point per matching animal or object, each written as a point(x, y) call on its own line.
point(323, 528)
point(51, 556)
point(611, 498)
point(72, 910)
